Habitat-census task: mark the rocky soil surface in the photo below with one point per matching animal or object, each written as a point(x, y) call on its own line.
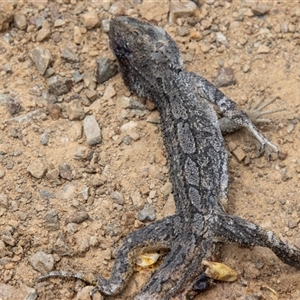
point(82, 162)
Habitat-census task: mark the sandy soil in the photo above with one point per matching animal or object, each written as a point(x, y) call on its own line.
point(39, 214)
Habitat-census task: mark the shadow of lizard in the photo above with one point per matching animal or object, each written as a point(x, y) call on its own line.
point(151, 66)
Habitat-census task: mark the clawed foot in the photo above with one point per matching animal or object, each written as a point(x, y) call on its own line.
point(252, 114)
point(255, 111)
point(265, 148)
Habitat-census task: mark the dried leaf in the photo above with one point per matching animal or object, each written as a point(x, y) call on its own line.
point(147, 259)
point(268, 293)
point(219, 271)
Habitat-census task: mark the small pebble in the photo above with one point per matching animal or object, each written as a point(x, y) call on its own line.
point(297, 243)
point(182, 31)
point(169, 207)
point(246, 68)
point(54, 111)
point(41, 57)
point(77, 35)
point(178, 10)
point(261, 9)
point(72, 228)
point(106, 69)
point(69, 54)
point(137, 199)
point(68, 191)
point(52, 175)
point(224, 77)
point(65, 171)
point(37, 168)
point(77, 217)
point(8, 239)
point(20, 21)
point(47, 194)
point(92, 95)
point(166, 189)
point(51, 220)
point(105, 25)
point(84, 294)
point(117, 197)
point(147, 213)
point(2, 172)
point(59, 85)
point(127, 140)
point(290, 128)
point(91, 130)
point(262, 49)
point(90, 19)
point(75, 110)
point(239, 154)
point(42, 262)
point(43, 34)
point(44, 139)
point(293, 223)
point(59, 23)
point(13, 106)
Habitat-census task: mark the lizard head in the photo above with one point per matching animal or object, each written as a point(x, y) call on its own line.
point(144, 51)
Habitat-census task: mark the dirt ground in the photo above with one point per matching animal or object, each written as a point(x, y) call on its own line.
point(67, 205)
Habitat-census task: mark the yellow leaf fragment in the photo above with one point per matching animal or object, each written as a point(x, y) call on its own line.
point(219, 271)
point(268, 293)
point(147, 259)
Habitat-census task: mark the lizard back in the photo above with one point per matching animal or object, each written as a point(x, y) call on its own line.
point(151, 66)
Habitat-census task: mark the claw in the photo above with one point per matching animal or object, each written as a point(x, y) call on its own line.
point(262, 150)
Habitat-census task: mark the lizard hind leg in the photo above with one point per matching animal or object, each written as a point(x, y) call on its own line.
point(155, 236)
point(234, 229)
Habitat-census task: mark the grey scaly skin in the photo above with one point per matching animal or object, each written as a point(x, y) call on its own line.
point(151, 66)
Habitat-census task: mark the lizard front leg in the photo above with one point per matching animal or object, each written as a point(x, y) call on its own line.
point(254, 112)
point(229, 109)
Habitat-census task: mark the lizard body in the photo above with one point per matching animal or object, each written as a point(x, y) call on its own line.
point(151, 66)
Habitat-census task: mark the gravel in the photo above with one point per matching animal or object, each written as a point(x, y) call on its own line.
point(57, 66)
